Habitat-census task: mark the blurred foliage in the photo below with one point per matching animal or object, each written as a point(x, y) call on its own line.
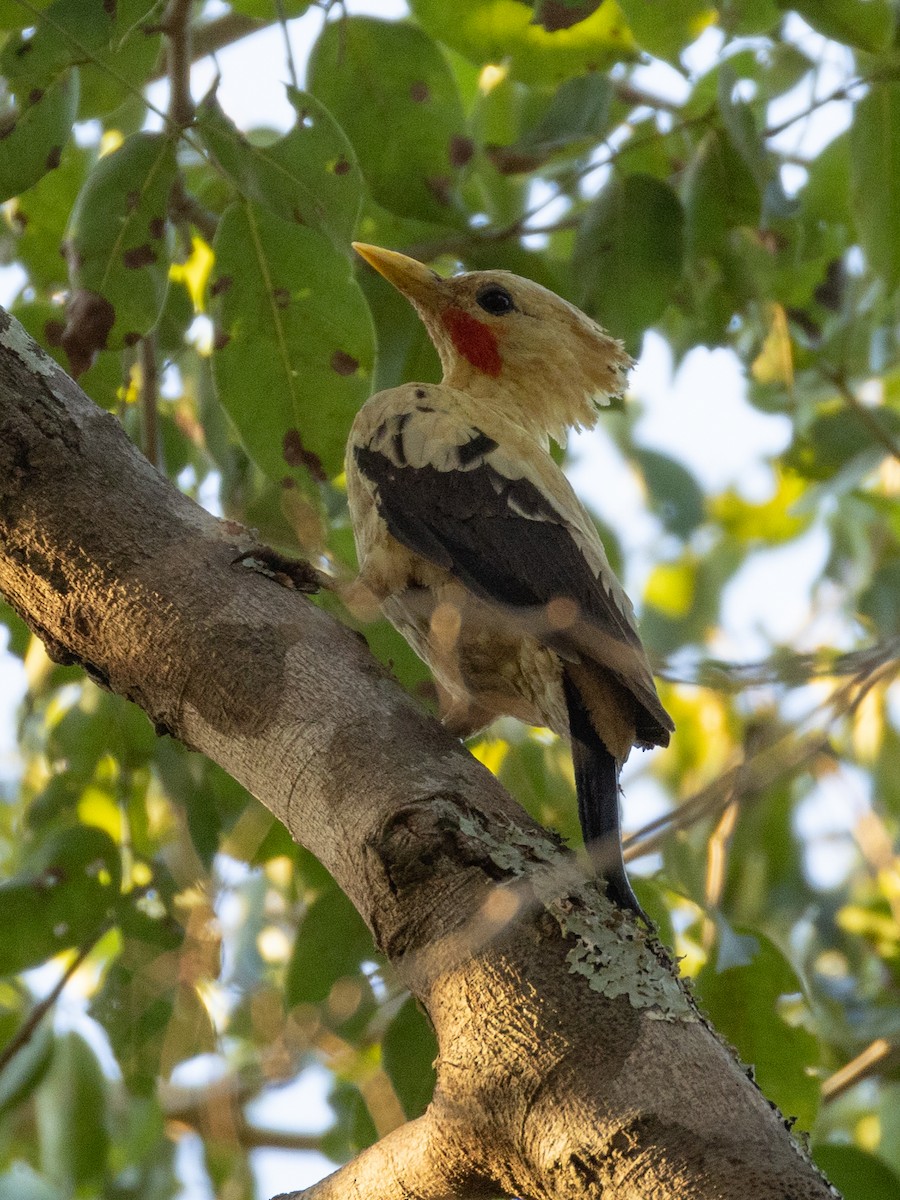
point(156, 925)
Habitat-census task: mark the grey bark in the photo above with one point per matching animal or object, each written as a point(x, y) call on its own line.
point(572, 1062)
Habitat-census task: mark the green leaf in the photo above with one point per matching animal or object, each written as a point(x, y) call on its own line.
point(719, 194)
point(837, 436)
point(14, 15)
point(116, 72)
point(61, 899)
point(875, 179)
point(309, 176)
point(880, 602)
point(69, 31)
point(554, 15)
point(34, 143)
point(742, 1000)
point(117, 248)
point(71, 1115)
point(263, 10)
point(24, 1071)
point(867, 24)
point(42, 216)
point(673, 492)
point(501, 31)
point(135, 1004)
point(577, 114)
point(632, 235)
point(408, 1053)
point(295, 344)
point(353, 1129)
point(666, 36)
point(856, 1174)
point(332, 941)
point(380, 75)
point(739, 124)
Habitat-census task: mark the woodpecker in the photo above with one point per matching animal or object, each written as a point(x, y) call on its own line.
point(477, 548)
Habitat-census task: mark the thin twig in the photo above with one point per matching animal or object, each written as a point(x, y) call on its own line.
point(184, 206)
point(866, 1063)
point(288, 52)
point(864, 413)
point(26, 1030)
point(775, 760)
point(792, 669)
point(629, 94)
point(149, 399)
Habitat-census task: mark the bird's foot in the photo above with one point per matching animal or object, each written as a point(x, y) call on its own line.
point(606, 855)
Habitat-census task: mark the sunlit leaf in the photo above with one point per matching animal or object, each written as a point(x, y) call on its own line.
point(497, 31)
point(665, 37)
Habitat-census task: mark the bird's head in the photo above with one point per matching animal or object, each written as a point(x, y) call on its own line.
point(512, 343)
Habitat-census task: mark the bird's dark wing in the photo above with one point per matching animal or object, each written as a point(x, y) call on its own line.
point(507, 543)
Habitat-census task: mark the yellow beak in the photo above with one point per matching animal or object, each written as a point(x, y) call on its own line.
point(408, 275)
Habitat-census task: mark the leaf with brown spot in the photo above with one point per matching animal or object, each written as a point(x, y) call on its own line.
point(114, 245)
point(461, 150)
point(32, 145)
point(139, 256)
point(89, 319)
point(492, 31)
point(375, 76)
point(289, 393)
point(344, 364)
point(297, 455)
point(310, 176)
point(563, 14)
point(67, 33)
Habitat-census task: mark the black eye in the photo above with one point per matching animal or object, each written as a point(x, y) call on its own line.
point(495, 299)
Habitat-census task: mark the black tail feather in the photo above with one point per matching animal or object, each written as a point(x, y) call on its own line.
point(597, 786)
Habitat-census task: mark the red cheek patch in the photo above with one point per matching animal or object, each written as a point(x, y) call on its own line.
point(474, 341)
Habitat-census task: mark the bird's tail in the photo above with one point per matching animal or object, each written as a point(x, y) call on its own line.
point(597, 787)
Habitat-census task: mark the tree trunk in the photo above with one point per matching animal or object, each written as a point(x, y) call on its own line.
point(572, 1061)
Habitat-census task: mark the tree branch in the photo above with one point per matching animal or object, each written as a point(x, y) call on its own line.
point(25, 1032)
point(571, 1060)
point(414, 1160)
point(176, 24)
